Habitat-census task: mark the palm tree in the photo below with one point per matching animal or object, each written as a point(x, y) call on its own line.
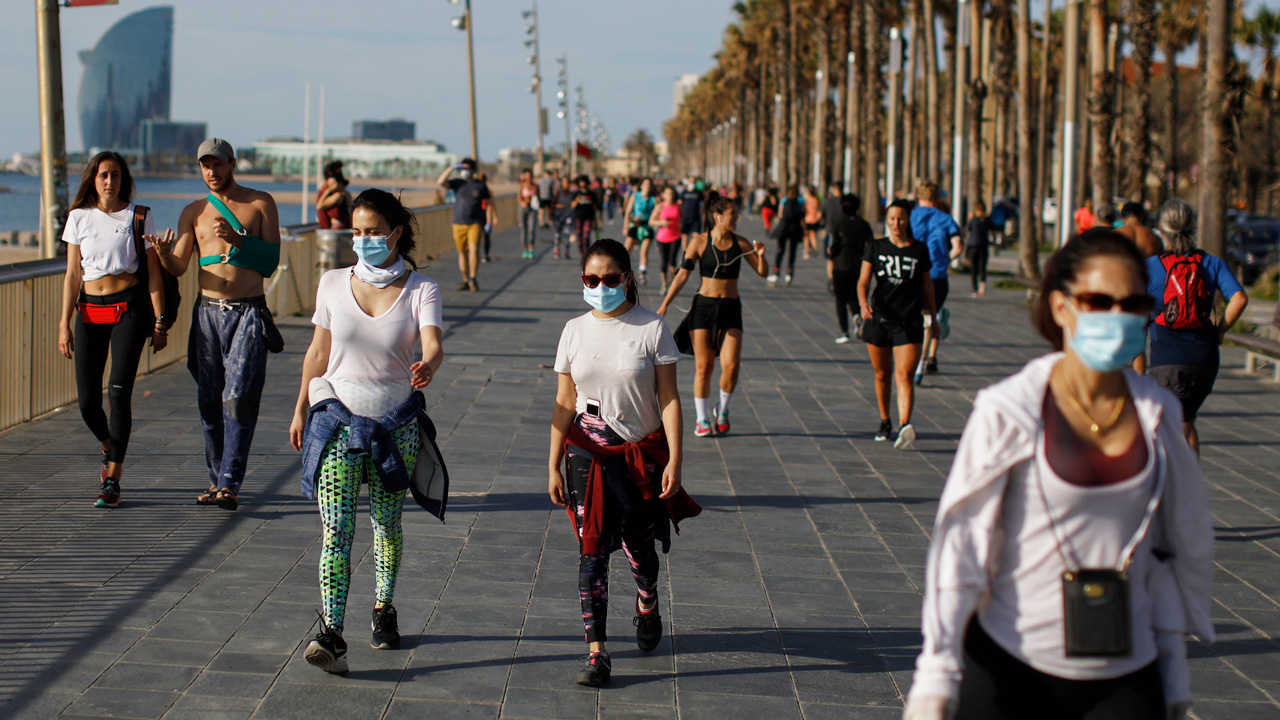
point(873, 94)
point(1142, 34)
point(1215, 146)
point(1028, 239)
point(1177, 27)
point(932, 119)
point(640, 144)
point(1264, 34)
point(1101, 103)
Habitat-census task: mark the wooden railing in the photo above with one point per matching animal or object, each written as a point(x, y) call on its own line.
point(35, 378)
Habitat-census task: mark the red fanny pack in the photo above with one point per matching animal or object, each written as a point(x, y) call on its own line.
point(93, 314)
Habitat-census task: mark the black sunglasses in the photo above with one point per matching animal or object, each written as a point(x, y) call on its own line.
point(1102, 302)
point(612, 280)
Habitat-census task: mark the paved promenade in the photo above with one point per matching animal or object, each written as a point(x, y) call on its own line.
point(796, 594)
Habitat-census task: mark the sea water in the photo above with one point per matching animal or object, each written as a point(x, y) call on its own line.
point(20, 199)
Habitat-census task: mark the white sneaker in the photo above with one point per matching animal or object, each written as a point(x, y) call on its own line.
point(857, 327)
point(788, 279)
point(772, 279)
point(906, 436)
point(842, 339)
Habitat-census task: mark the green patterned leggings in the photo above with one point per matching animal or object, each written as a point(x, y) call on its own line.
point(337, 490)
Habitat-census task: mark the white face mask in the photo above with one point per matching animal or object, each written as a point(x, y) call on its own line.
point(380, 277)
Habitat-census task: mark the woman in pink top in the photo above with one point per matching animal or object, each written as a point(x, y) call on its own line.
point(528, 212)
point(666, 217)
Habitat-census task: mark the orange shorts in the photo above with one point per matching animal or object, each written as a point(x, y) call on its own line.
point(466, 237)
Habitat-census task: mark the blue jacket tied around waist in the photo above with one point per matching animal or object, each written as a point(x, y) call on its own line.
point(430, 480)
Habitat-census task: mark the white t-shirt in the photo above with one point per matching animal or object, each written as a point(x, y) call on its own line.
point(612, 360)
point(105, 240)
point(369, 357)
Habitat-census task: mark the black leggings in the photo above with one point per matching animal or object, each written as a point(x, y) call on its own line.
point(846, 288)
point(978, 258)
point(125, 340)
point(998, 686)
point(784, 243)
point(668, 255)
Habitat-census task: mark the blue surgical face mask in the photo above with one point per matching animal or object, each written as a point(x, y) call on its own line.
point(1107, 341)
point(605, 299)
point(372, 249)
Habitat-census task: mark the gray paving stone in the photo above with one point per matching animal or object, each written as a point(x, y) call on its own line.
point(796, 592)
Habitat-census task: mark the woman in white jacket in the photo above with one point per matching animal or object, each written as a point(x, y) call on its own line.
point(1073, 547)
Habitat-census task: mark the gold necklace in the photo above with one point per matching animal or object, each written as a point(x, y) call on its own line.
point(1094, 426)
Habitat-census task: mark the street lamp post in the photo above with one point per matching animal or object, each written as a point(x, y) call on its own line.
point(562, 96)
point(895, 103)
point(53, 141)
point(464, 23)
point(532, 29)
point(1070, 116)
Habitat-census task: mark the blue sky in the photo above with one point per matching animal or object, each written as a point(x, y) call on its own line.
point(240, 65)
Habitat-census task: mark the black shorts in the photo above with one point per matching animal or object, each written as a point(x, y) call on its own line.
point(669, 254)
point(1191, 384)
point(718, 315)
point(941, 288)
point(640, 231)
point(887, 334)
point(813, 227)
point(690, 226)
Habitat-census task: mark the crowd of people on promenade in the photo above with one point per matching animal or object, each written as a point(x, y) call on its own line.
point(1072, 550)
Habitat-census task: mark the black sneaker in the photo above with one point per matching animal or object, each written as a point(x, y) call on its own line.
point(328, 651)
point(648, 627)
point(885, 432)
point(596, 670)
point(386, 634)
point(108, 493)
point(931, 366)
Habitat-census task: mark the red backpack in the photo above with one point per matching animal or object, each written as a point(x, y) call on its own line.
point(1188, 304)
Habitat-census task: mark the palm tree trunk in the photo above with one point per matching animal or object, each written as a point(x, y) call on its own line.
point(1044, 108)
point(791, 101)
point(873, 100)
point(1142, 33)
point(932, 122)
point(976, 97)
point(1028, 239)
point(853, 124)
point(1171, 121)
point(909, 139)
point(1100, 104)
point(949, 108)
point(1215, 154)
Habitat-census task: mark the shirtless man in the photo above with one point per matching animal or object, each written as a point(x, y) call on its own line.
point(1134, 228)
point(235, 232)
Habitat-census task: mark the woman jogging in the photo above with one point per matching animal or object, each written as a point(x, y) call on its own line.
point(978, 247)
point(893, 326)
point(359, 418)
point(769, 209)
point(714, 323)
point(616, 450)
point(789, 231)
point(667, 218)
point(112, 301)
point(1073, 547)
point(1184, 337)
point(812, 221)
point(635, 224)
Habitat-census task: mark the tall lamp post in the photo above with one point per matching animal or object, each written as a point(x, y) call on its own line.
point(536, 60)
point(464, 23)
point(958, 161)
point(53, 141)
point(562, 98)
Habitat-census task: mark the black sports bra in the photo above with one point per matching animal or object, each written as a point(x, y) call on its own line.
point(721, 264)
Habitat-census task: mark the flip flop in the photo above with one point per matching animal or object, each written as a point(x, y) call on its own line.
point(208, 497)
point(226, 500)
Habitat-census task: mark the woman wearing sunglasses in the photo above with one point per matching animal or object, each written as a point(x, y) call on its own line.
point(616, 446)
point(1184, 337)
point(1073, 547)
point(714, 323)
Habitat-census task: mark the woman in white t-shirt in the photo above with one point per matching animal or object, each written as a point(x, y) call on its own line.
point(117, 312)
point(377, 342)
point(616, 446)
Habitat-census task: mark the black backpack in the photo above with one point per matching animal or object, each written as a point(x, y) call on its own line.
point(172, 295)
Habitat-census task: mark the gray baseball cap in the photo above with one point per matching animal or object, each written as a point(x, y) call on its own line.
point(218, 148)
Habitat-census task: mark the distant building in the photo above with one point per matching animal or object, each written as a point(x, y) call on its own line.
point(173, 140)
point(126, 80)
point(685, 84)
point(360, 158)
point(511, 161)
point(395, 130)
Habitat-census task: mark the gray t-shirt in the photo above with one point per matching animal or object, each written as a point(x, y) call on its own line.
point(547, 187)
point(612, 361)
